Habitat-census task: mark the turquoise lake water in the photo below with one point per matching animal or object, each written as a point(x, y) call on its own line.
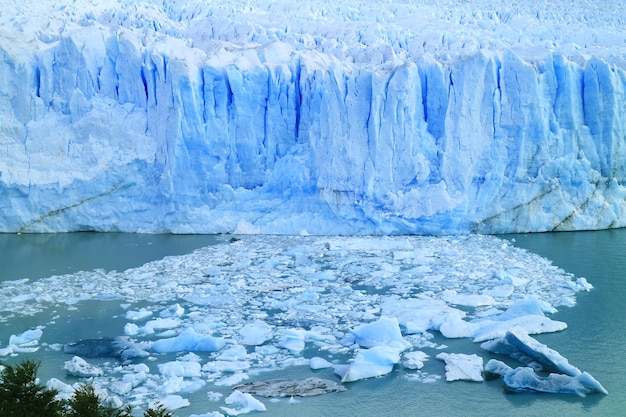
point(595, 340)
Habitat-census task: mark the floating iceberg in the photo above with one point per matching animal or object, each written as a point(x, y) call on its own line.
point(24, 342)
point(368, 363)
point(189, 341)
point(527, 350)
point(255, 333)
point(382, 332)
point(460, 366)
point(525, 379)
point(527, 314)
point(244, 403)
point(80, 368)
point(520, 346)
point(414, 360)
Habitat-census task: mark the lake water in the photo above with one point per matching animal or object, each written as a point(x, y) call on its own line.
point(595, 340)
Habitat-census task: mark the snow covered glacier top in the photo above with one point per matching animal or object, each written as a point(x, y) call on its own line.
point(359, 117)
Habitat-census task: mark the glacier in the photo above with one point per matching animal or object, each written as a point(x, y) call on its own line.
point(312, 117)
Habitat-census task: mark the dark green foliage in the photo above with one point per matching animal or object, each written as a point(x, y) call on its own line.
point(159, 411)
point(86, 403)
point(22, 396)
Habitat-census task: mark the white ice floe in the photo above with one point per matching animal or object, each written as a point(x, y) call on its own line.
point(460, 366)
point(137, 315)
point(64, 391)
point(231, 380)
point(80, 368)
point(211, 414)
point(159, 324)
point(414, 360)
point(171, 402)
point(244, 403)
point(293, 340)
point(26, 342)
point(319, 363)
point(189, 341)
point(255, 333)
point(421, 315)
point(372, 362)
point(382, 332)
point(26, 338)
point(180, 368)
point(527, 314)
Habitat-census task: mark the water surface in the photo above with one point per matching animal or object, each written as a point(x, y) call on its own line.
point(595, 340)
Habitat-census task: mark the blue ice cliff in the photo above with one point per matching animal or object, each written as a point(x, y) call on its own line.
point(355, 117)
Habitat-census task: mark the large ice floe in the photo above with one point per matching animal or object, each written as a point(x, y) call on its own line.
point(224, 316)
point(334, 117)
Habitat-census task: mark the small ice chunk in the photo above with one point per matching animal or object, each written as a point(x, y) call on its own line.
point(180, 368)
point(460, 366)
point(131, 329)
point(470, 300)
point(531, 324)
point(525, 307)
point(496, 367)
point(120, 387)
point(326, 275)
point(233, 353)
point(137, 315)
point(80, 368)
point(171, 402)
point(319, 363)
point(175, 384)
point(64, 391)
point(383, 332)
point(420, 315)
point(583, 285)
point(226, 366)
point(7, 350)
point(414, 360)
point(160, 324)
point(231, 380)
point(372, 362)
point(29, 337)
point(189, 341)
point(255, 333)
point(141, 367)
point(293, 340)
point(214, 396)
point(520, 346)
point(527, 313)
point(172, 311)
point(190, 357)
point(23, 297)
point(243, 402)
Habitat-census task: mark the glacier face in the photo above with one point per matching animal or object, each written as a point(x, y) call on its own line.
point(355, 117)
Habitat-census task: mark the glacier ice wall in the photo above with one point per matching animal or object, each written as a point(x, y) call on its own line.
point(271, 117)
